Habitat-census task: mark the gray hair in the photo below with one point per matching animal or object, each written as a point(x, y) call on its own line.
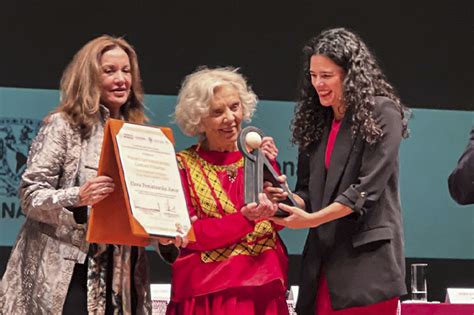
point(198, 89)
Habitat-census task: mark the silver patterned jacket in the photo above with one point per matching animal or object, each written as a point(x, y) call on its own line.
point(50, 241)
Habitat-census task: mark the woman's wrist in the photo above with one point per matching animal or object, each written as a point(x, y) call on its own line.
point(300, 202)
point(315, 219)
point(330, 213)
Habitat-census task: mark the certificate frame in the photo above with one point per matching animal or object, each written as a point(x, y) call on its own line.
point(111, 220)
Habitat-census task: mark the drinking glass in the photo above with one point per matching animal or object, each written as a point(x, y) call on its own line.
point(418, 282)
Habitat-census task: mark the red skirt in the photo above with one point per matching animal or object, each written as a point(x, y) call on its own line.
point(324, 307)
point(268, 299)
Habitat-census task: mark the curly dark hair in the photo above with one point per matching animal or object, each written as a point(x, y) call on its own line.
point(363, 81)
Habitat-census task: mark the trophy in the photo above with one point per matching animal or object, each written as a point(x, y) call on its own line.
point(257, 168)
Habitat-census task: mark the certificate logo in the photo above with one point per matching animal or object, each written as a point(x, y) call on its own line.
point(16, 135)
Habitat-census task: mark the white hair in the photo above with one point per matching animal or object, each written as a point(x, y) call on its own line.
point(197, 91)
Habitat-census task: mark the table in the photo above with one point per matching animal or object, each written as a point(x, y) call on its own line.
point(436, 309)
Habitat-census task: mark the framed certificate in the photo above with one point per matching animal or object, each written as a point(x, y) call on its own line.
point(152, 180)
point(148, 200)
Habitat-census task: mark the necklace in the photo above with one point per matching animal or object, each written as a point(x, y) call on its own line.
point(231, 171)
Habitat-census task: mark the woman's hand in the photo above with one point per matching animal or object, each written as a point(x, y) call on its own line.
point(301, 219)
point(269, 148)
point(95, 190)
point(263, 210)
point(178, 241)
point(274, 193)
point(297, 219)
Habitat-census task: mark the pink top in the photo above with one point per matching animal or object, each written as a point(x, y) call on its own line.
point(331, 140)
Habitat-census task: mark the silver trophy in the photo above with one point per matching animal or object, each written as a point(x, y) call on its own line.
point(257, 168)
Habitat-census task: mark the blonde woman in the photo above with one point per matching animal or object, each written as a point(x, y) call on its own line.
point(52, 270)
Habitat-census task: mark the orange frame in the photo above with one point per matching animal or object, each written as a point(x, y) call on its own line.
point(111, 220)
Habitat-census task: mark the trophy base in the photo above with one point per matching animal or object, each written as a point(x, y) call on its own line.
point(281, 214)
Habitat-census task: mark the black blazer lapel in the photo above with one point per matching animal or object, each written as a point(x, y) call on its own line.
point(339, 156)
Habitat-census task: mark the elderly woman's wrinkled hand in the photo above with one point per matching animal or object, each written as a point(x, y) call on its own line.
point(181, 240)
point(95, 190)
point(269, 148)
point(263, 210)
point(178, 241)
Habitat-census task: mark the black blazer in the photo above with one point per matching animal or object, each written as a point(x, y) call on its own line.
point(461, 180)
point(360, 254)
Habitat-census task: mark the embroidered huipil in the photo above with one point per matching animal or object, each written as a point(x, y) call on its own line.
point(230, 251)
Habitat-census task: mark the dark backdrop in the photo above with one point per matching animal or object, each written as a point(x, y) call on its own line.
point(425, 47)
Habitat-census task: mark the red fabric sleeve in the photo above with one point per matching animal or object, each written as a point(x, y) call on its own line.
point(212, 233)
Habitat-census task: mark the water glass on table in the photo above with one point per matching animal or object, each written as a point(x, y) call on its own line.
point(419, 290)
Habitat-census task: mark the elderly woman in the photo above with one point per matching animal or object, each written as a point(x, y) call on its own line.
point(349, 123)
point(238, 264)
point(52, 270)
